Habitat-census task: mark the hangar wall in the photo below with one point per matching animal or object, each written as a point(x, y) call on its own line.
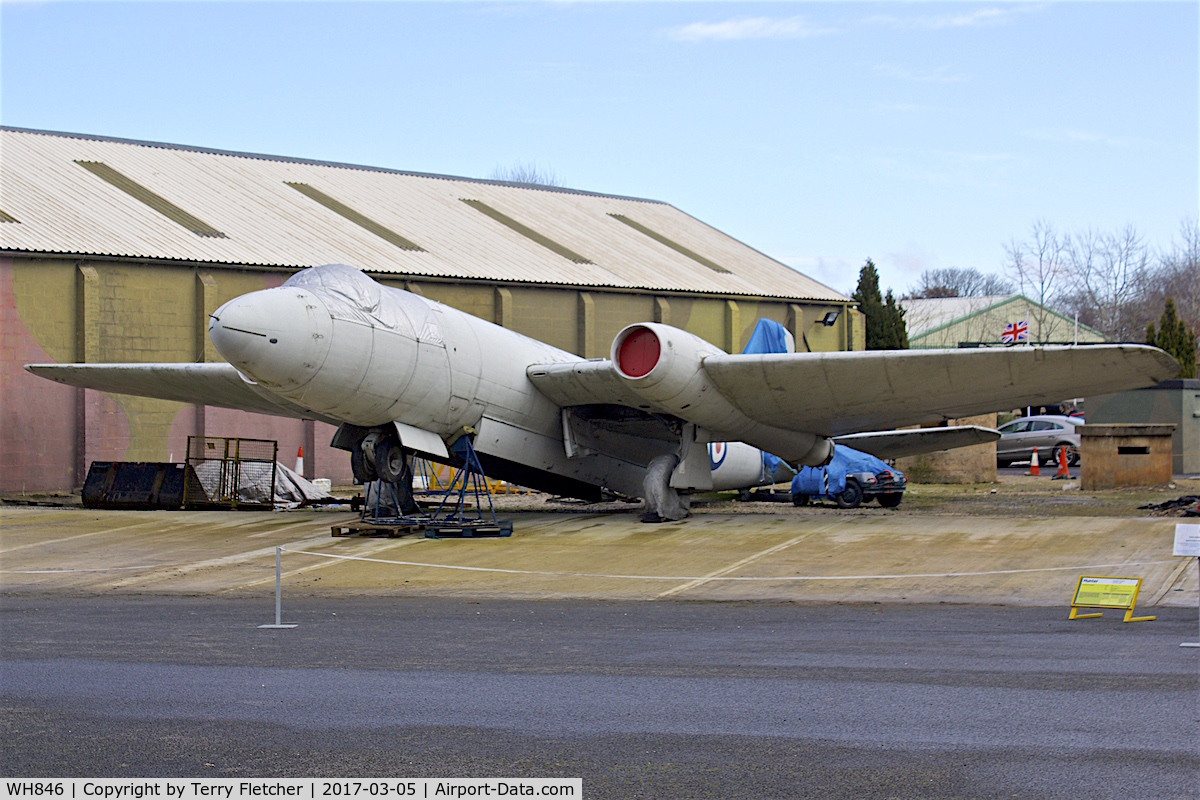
point(55, 309)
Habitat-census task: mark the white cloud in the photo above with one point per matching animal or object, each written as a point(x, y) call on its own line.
point(942, 75)
point(1075, 136)
point(978, 18)
point(836, 272)
point(747, 28)
point(911, 260)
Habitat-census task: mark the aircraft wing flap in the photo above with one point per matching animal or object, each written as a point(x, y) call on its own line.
point(838, 393)
point(898, 444)
point(581, 383)
point(201, 384)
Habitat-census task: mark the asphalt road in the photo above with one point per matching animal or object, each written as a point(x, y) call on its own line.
point(641, 699)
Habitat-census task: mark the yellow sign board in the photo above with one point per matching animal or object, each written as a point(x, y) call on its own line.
point(1106, 591)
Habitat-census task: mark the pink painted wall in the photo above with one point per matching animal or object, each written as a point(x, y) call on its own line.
point(37, 417)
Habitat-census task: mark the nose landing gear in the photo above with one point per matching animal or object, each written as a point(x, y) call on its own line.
point(384, 467)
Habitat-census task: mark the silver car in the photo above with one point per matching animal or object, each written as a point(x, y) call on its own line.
point(1047, 433)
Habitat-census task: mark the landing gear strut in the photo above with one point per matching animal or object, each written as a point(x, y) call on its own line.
point(663, 503)
point(382, 458)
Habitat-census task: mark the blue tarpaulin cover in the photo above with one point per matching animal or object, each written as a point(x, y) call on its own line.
point(768, 337)
point(830, 480)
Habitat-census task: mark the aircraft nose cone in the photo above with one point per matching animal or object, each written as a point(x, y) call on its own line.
point(278, 338)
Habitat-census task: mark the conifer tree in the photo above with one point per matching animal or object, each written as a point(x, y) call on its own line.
point(885, 319)
point(1174, 337)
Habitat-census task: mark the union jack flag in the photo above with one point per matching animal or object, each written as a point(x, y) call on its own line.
point(1015, 332)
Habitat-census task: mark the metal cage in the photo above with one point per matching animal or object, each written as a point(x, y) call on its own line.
point(233, 473)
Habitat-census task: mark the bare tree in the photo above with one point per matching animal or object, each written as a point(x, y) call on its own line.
point(530, 174)
point(1178, 275)
point(957, 282)
point(1108, 275)
point(1038, 265)
point(1113, 281)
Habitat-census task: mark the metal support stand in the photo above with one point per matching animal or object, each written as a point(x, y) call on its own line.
point(1197, 642)
point(279, 623)
point(453, 518)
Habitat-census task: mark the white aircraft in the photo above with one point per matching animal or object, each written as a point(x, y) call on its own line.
point(401, 375)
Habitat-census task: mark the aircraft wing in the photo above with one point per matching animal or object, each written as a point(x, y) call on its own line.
point(898, 444)
point(834, 394)
point(202, 384)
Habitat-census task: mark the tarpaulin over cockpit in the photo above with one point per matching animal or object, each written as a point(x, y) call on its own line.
point(352, 296)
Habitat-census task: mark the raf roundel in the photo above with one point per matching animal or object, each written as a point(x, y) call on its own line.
point(638, 353)
point(716, 454)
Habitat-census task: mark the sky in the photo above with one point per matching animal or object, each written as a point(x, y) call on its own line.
point(921, 135)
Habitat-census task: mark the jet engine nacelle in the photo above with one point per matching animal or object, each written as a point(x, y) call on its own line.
point(664, 365)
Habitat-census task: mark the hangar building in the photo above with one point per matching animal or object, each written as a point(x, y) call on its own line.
point(117, 251)
point(981, 322)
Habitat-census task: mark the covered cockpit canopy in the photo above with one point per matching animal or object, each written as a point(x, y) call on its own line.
point(352, 296)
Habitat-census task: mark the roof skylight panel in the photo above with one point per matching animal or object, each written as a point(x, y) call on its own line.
point(527, 232)
point(361, 220)
point(155, 201)
point(676, 246)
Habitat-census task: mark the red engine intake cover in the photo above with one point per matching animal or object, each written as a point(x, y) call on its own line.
point(638, 353)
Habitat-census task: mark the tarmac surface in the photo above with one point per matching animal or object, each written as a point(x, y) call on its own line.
point(656, 700)
point(745, 652)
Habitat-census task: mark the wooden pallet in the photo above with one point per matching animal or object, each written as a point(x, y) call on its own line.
point(431, 529)
point(378, 530)
point(467, 529)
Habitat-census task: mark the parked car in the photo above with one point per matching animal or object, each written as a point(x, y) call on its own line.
point(850, 479)
point(1047, 433)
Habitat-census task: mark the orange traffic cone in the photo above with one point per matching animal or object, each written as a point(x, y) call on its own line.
point(300, 461)
point(1062, 474)
point(1033, 464)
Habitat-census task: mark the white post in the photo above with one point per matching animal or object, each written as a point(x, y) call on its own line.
point(1197, 642)
point(278, 585)
point(279, 623)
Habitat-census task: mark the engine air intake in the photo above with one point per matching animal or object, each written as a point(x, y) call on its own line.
point(638, 353)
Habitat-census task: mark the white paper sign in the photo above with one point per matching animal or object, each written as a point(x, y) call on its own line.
point(1187, 540)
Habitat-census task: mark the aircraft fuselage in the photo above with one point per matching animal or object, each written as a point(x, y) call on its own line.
point(386, 355)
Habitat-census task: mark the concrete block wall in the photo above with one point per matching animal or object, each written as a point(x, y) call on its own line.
point(975, 464)
point(1113, 456)
point(59, 310)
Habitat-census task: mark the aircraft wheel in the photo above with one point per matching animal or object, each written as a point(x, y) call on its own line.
point(390, 462)
point(799, 499)
point(852, 497)
point(891, 500)
point(363, 471)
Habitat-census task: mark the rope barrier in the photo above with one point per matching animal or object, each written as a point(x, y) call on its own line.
point(546, 573)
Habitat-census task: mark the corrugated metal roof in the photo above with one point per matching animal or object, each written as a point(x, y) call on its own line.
point(64, 208)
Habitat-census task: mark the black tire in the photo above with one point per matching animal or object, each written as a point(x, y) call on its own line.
point(390, 462)
point(852, 497)
point(364, 473)
point(891, 500)
point(799, 499)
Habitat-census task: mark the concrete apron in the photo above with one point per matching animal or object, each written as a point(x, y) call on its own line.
point(600, 556)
